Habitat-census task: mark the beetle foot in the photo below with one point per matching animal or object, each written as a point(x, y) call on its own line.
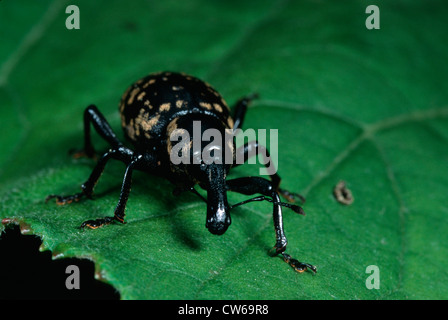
point(297, 265)
point(291, 196)
point(97, 223)
point(62, 200)
point(83, 153)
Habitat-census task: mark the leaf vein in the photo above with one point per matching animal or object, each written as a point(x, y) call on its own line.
point(31, 38)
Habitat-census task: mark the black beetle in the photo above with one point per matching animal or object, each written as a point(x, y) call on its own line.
point(151, 110)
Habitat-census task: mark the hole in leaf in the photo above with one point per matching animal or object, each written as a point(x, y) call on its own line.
point(26, 273)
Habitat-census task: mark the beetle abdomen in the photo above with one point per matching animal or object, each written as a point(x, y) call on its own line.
point(151, 103)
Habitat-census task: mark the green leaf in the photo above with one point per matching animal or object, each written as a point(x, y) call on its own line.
point(365, 106)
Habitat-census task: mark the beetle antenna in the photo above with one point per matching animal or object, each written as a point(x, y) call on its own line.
point(193, 190)
point(293, 207)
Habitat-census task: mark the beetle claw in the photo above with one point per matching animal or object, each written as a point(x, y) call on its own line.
point(83, 153)
point(291, 196)
point(297, 265)
point(97, 223)
point(62, 200)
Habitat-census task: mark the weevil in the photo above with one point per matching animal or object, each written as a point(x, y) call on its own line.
point(151, 110)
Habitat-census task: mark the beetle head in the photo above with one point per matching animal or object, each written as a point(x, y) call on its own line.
point(199, 156)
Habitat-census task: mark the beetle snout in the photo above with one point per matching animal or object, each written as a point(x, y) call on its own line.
point(218, 221)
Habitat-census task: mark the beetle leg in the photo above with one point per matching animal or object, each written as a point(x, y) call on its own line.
point(119, 212)
point(121, 153)
point(252, 185)
point(253, 148)
point(102, 127)
point(241, 109)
